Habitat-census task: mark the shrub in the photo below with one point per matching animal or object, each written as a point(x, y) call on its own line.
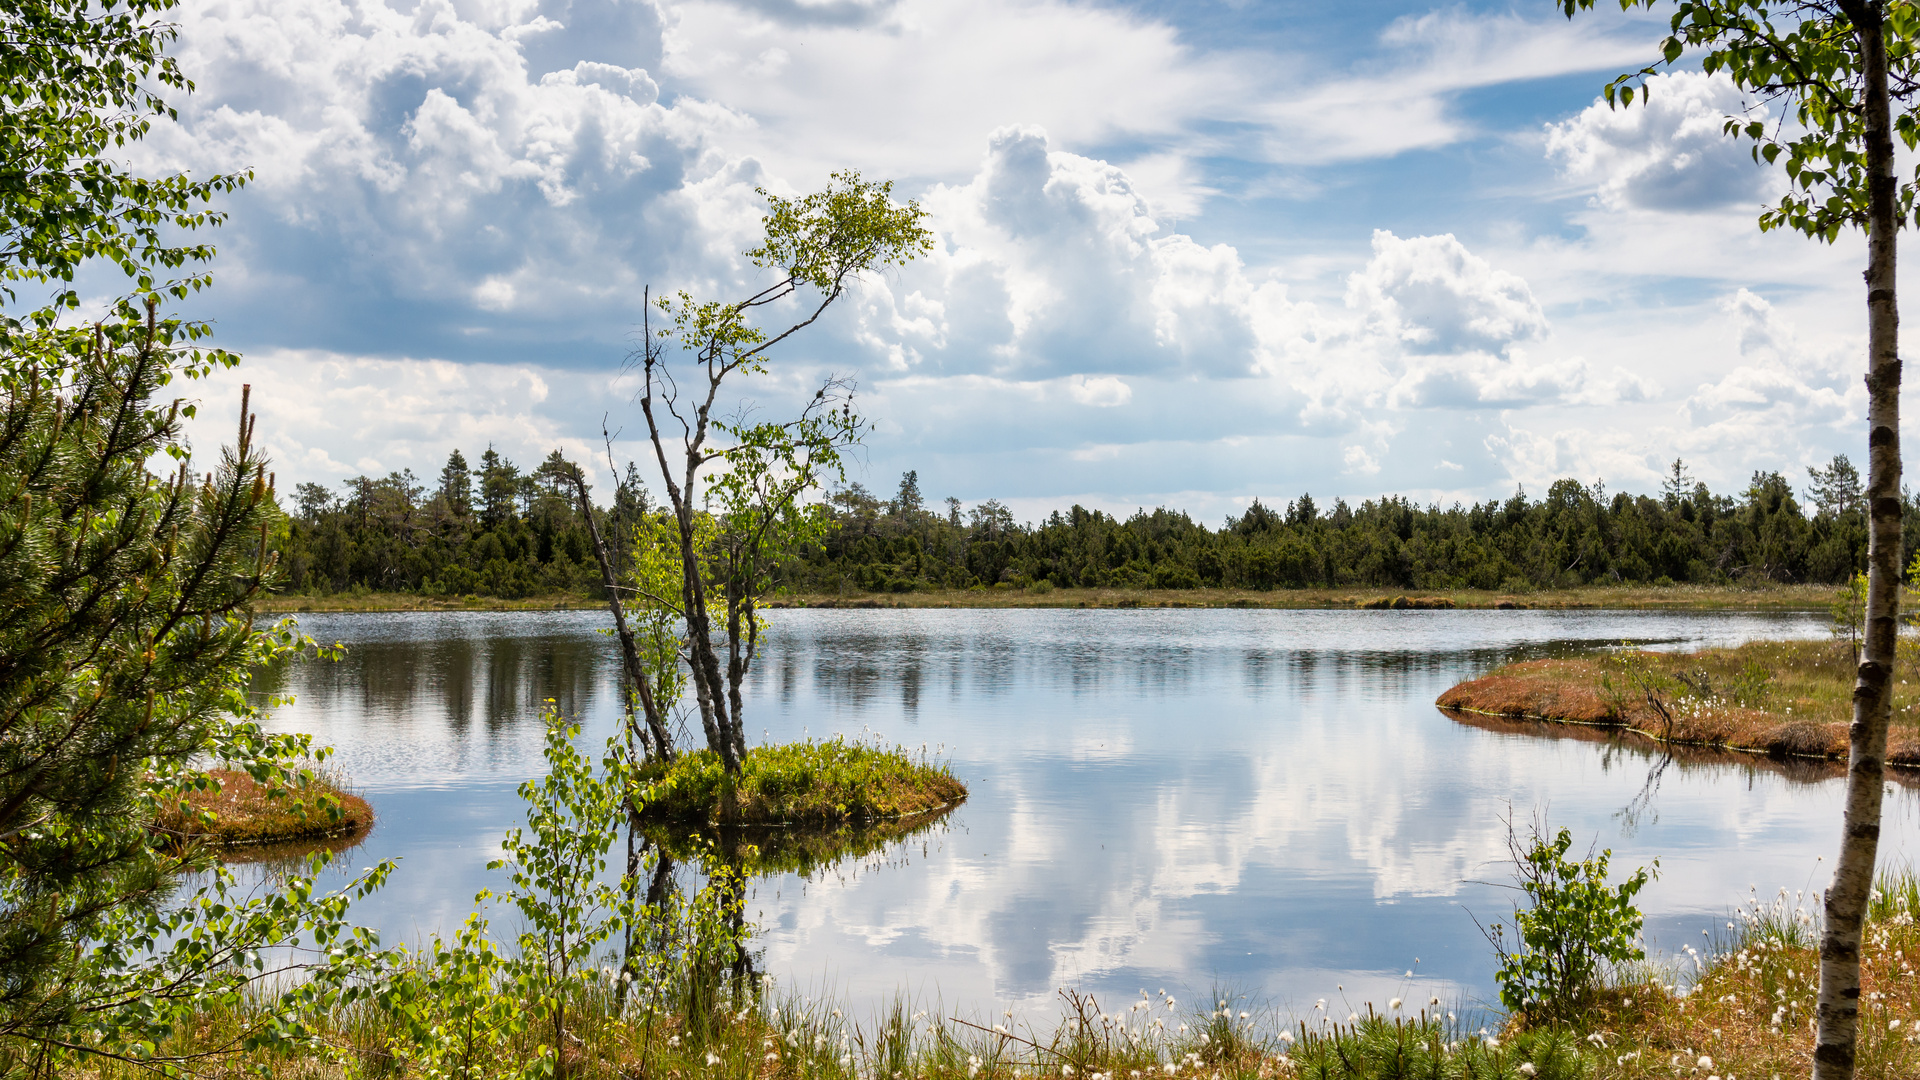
point(1578, 924)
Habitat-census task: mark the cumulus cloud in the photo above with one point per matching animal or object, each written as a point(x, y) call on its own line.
point(1665, 152)
point(1052, 264)
point(1432, 295)
point(1783, 386)
point(482, 181)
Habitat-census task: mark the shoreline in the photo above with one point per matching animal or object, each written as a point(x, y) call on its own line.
point(1618, 598)
point(1571, 693)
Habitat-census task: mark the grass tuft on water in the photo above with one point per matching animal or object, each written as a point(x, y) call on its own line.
point(802, 783)
point(237, 811)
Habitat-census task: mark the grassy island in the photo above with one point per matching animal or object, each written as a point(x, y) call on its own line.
point(242, 814)
point(1787, 699)
point(825, 783)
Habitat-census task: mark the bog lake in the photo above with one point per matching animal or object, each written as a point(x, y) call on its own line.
point(1180, 800)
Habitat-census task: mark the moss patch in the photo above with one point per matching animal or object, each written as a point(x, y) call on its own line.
point(243, 813)
point(802, 783)
point(1795, 699)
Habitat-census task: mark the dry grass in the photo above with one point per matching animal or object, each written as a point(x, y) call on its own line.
point(1748, 1011)
point(244, 814)
point(1784, 698)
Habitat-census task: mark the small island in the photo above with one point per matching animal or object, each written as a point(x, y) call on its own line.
point(809, 784)
point(1786, 699)
point(239, 815)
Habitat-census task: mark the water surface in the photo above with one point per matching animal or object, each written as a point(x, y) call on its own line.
point(1176, 799)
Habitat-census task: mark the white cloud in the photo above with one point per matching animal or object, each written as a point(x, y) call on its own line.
point(1667, 151)
point(1434, 296)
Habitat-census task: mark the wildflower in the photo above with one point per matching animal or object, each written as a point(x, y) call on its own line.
point(1066, 1070)
point(1527, 1069)
point(1286, 1036)
point(1893, 1026)
point(1394, 1005)
point(713, 1058)
point(1243, 1014)
point(1435, 1000)
point(1321, 1004)
point(673, 1040)
point(1705, 1062)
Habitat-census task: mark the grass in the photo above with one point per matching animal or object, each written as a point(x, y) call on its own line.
point(1789, 699)
point(242, 814)
point(1674, 597)
point(1743, 1008)
point(809, 783)
point(754, 1032)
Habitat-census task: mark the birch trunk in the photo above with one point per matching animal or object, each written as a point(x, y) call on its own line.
point(1846, 898)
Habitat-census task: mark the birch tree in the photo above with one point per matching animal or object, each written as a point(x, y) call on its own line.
point(816, 246)
point(1830, 71)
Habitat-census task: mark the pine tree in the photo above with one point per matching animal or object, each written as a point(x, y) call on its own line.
point(456, 485)
point(125, 634)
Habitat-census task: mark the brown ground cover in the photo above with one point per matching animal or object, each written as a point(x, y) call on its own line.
point(245, 814)
point(1747, 1013)
point(1789, 699)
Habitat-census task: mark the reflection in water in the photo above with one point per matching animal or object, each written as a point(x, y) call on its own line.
point(1265, 798)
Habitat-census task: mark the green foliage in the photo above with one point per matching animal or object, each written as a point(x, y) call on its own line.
point(1578, 925)
point(1848, 611)
point(149, 974)
point(1574, 536)
point(819, 242)
point(566, 906)
point(124, 617)
point(467, 1009)
point(808, 782)
point(82, 79)
point(1378, 1047)
point(1807, 54)
point(522, 536)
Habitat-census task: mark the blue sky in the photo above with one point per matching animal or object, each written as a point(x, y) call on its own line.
point(1189, 254)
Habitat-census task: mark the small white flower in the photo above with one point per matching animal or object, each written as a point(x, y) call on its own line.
point(1527, 1069)
point(713, 1058)
point(1705, 1062)
point(1394, 1005)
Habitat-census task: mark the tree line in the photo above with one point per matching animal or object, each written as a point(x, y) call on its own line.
point(498, 531)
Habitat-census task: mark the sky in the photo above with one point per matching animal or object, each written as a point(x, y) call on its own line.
point(1187, 254)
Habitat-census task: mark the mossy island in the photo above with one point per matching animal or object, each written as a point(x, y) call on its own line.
point(811, 784)
point(1785, 699)
point(243, 818)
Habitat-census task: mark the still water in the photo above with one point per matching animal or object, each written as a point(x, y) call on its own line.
point(1162, 799)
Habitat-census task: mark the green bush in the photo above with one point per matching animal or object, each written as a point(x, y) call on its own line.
point(1578, 924)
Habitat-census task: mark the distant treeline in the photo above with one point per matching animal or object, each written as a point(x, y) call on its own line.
point(495, 531)
point(490, 531)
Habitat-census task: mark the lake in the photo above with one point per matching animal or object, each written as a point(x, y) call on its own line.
point(1175, 799)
